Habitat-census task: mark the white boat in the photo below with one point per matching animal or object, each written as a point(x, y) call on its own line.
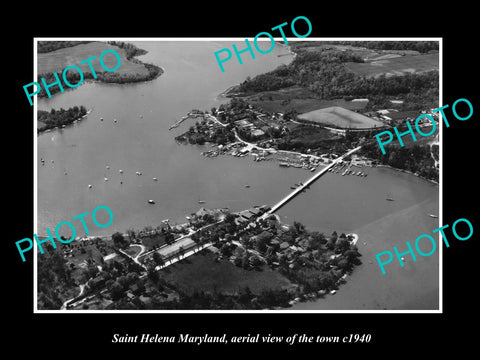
point(108, 167)
point(138, 173)
point(120, 171)
point(106, 179)
point(89, 186)
point(433, 216)
point(151, 201)
point(155, 179)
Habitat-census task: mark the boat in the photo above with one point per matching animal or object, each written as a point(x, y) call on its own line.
point(389, 199)
point(101, 119)
point(89, 186)
point(138, 173)
point(106, 179)
point(155, 179)
point(247, 186)
point(108, 167)
point(120, 171)
point(293, 187)
point(433, 216)
point(151, 201)
point(201, 201)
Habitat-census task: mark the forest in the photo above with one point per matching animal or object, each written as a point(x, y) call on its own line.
point(323, 73)
point(416, 158)
point(55, 118)
point(420, 46)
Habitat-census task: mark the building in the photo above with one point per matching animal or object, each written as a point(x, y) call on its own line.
point(257, 133)
point(242, 122)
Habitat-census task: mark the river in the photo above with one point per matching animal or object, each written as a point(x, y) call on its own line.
point(139, 140)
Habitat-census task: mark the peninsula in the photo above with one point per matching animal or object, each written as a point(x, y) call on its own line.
point(251, 261)
point(57, 55)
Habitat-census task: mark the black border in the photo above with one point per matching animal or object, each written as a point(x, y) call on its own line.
point(398, 332)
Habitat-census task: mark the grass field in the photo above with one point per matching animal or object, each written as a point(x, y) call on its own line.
point(201, 272)
point(133, 250)
point(399, 65)
point(340, 117)
point(57, 60)
point(156, 240)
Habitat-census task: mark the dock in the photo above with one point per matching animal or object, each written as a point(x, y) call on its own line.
point(307, 183)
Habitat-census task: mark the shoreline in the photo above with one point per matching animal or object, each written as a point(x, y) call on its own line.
point(47, 129)
point(408, 172)
point(225, 93)
point(154, 71)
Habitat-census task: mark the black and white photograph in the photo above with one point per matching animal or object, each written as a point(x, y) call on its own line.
point(258, 185)
point(236, 180)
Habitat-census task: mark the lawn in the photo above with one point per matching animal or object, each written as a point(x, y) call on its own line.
point(150, 242)
point(340, 117)
point(202, 273)
point(396, 65)
point(133, 250)
point(57, 60)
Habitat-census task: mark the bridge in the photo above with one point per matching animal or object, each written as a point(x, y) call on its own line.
point(308, 182)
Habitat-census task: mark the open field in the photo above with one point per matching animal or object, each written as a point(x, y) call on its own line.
point(305, 105)
point(200, 272)
point(340, 117)
point(57, 60)
point(398, 65)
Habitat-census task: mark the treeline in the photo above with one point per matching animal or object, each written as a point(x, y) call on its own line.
point(323, 73)
point(420, 46)
point(104, 76)
point(130, 49)
point(49, 46)
point(416, 159)
point(55, 118)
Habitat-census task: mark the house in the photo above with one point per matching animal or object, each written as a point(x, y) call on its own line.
point(255, 211)
point(96, 283)
point(246, 214)
point(242, 122)
point(257, 133)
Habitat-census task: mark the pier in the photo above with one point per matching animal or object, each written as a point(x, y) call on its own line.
point(308, 182)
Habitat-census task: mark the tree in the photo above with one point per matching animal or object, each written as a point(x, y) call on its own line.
point(157, 258)
point(116, 291)
point(342, 245)
point(131, 278)
point(119, 240)
point(226, 250)
point(131, 234)
point(153, 274)
point(299, 227)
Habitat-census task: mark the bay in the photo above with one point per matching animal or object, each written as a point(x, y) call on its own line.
point(139, 140)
